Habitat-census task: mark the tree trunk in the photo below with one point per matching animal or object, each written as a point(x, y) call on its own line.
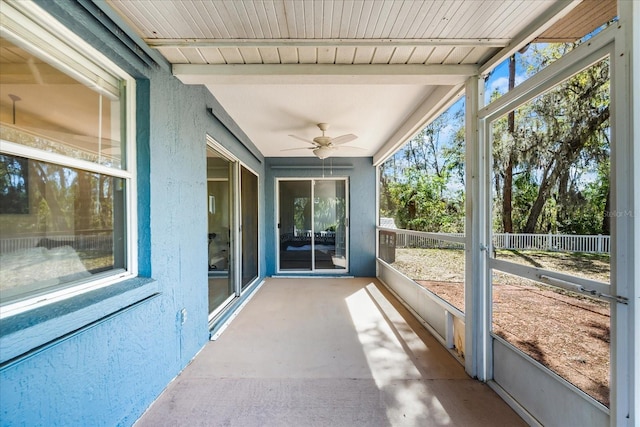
point(507, 192)
point(50, 196)
point(550, 177)
point(507, 188)
point(563, 159)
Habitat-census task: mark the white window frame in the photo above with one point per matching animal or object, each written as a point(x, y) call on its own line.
point(58, 46)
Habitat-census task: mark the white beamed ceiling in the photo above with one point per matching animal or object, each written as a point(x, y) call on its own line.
point(379, 69)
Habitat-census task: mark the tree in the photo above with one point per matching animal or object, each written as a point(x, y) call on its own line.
point(556, 139)
point(421, 186)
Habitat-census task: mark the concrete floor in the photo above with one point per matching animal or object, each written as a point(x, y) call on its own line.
point(326, 352)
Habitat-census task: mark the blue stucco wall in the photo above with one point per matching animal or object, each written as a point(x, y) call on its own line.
point(362, 209)
point(107, 370)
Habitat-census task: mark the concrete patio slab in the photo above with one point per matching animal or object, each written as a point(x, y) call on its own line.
point(326, 352)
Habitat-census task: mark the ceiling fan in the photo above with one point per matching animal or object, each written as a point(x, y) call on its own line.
point(324, 145)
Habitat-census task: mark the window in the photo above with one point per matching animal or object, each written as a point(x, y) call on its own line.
point(66, 182)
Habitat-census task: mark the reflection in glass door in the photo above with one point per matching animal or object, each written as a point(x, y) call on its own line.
point(220, 183)
point(329, 225)
point(232, 205)
point(249, 226)
point(313, 225)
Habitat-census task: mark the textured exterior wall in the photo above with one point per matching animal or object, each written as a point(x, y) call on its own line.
point(110, 370)
point(362, 205)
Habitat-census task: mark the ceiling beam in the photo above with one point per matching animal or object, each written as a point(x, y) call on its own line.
point(388, 74)
point(258, 43)
point(543, 22)
point(438, 101)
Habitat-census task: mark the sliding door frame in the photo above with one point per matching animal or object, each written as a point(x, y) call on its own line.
point(313, 270)
point(235, 228)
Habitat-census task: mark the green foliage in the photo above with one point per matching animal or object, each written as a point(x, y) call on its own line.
point(14, 192)
point(558, 146)
point(550, 166)
point(422, 185)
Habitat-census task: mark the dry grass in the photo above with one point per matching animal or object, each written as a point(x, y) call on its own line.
point(566, 332)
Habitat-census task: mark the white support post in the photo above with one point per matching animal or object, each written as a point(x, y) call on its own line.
point(634, 314)
point(477, 357)
point(625, 250)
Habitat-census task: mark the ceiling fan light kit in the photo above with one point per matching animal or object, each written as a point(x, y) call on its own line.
point(322, 152)
point(324, 146)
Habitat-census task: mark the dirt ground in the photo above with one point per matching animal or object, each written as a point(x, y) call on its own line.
point(566, 332)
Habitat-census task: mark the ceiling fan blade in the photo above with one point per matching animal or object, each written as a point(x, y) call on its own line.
point(302, 139)
point(300, 148)
point(343, 139)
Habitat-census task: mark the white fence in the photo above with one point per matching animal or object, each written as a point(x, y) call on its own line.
point(416, 239)
point(540, 242)
point(553, 242)
point(92, 242)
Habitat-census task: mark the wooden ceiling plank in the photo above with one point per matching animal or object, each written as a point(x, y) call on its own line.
point(381, 19)
point(356, 18)
point(194, 56)
point(269, 55)
point(250, 13)
point(268, 26)
point(136, 17)
point(205, 15)
point(418, 14)
point(307, 55)
point(394, 15)
point(173, 55)
point(457, 55)
point(336, 19)
point(288, 55)
point(421, 54)
point(250, 55)
point(439, 54)
point(449, 14)
point(221, 19)
point(232, 55)
point(318, 13)
point(327, 19)
point(477, 23)
point(364, 55)
point(280, 10)
point(498, 23)
point(366, 30)
point(435, 13)
point(402, 54)
point(582, 20)
point(326, 55)
point(383, 55)
point(212, 56)
point(345, 55)
point(193, 19)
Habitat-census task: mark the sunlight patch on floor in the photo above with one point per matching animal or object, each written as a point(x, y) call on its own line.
point(392, 369)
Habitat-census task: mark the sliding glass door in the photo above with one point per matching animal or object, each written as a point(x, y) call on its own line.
point(249, 225)
point(221, 219)
point(312, 226)
point(232, 211)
